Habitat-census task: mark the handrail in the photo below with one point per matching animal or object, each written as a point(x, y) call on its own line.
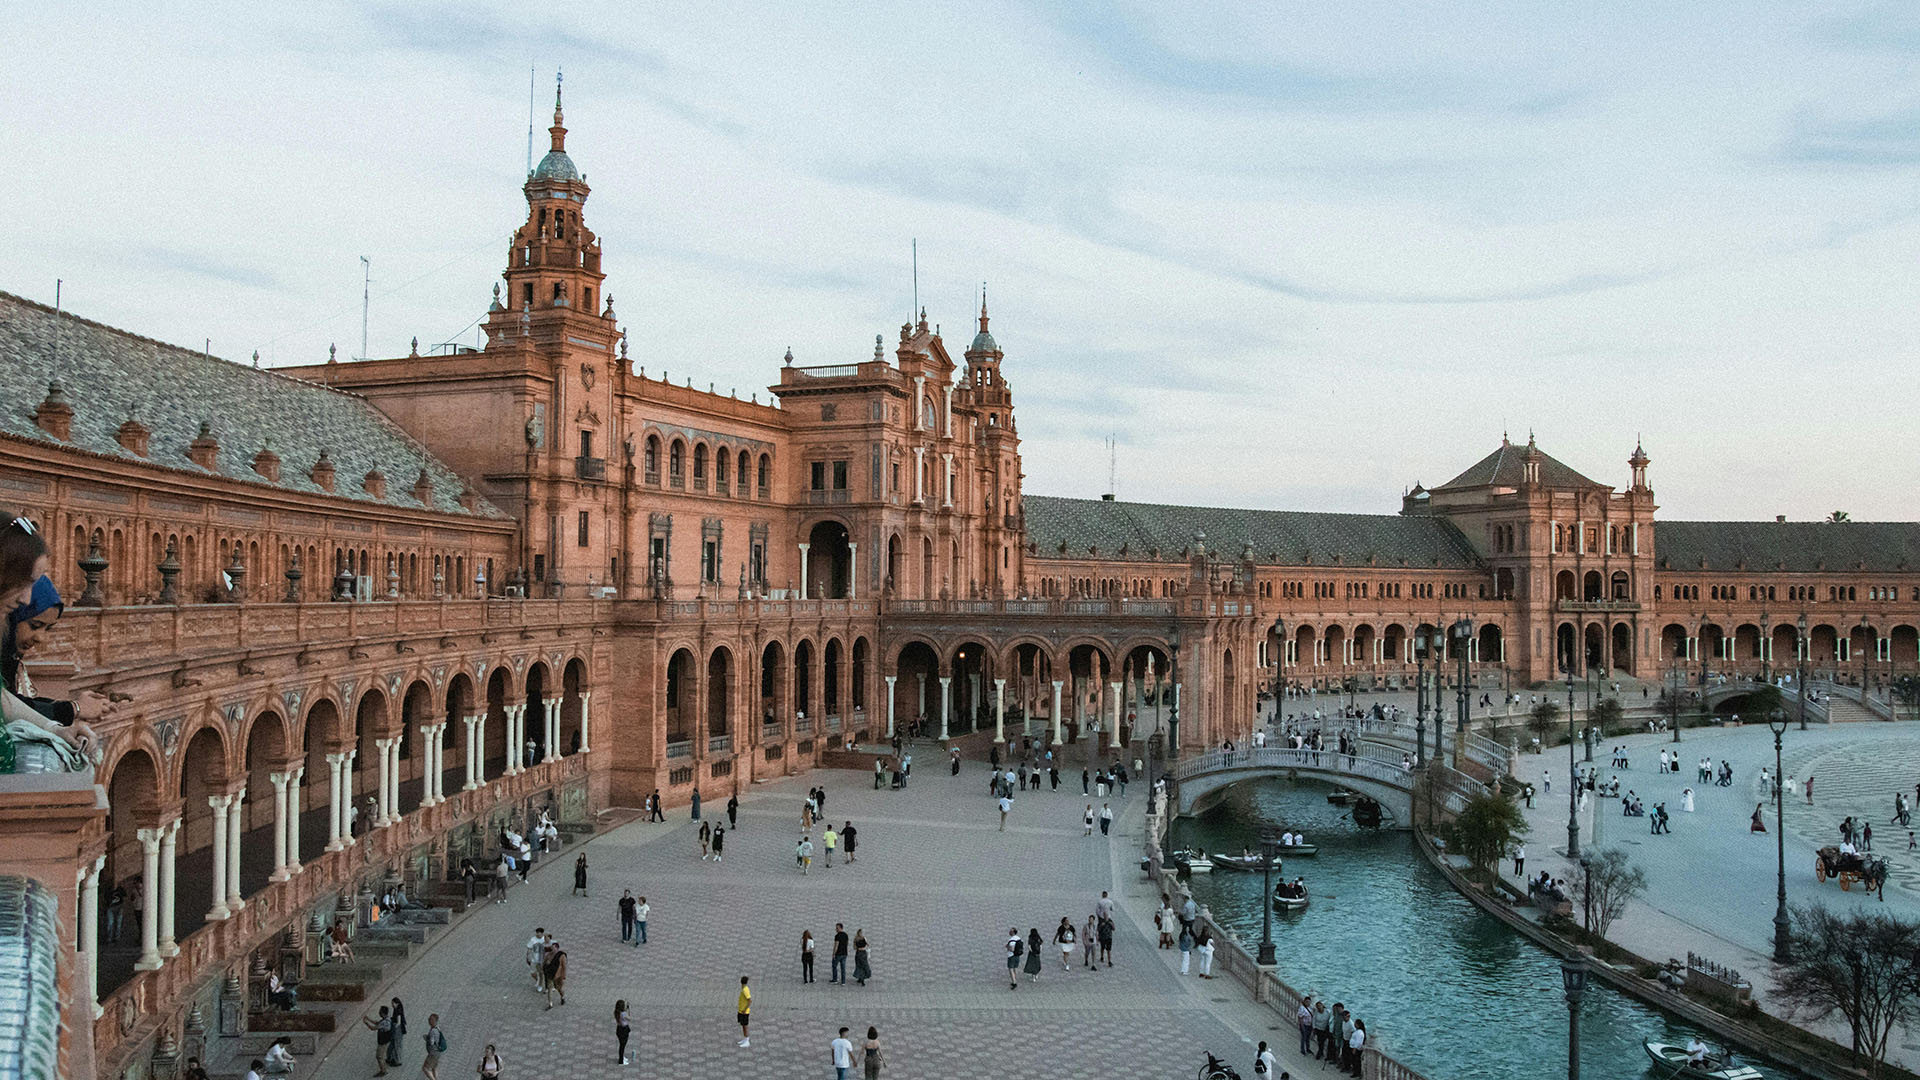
point(1372, 763)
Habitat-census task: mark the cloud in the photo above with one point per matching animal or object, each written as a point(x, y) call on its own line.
point(207, 266)
point(1890, 141)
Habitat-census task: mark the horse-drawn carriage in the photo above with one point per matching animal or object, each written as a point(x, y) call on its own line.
point(1869, 871)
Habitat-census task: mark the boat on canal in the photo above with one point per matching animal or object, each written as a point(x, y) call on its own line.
point(1246, 862)
point(1670, 1060)
point(1195, 860)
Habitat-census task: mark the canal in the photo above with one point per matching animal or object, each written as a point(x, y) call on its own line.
point(1443, 986)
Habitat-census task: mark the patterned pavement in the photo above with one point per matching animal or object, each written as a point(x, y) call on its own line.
point(935, 888)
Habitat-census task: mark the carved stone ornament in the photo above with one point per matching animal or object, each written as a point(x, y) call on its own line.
point(167, 734)
point(586, 376)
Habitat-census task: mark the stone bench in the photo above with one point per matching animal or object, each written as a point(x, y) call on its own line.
point(355, 971)
point(282, 1022)
point(254, 1044)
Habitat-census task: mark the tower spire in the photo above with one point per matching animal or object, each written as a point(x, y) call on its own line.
point(559, 128)
point(983, 307)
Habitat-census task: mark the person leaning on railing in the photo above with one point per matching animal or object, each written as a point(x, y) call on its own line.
point(27, 592)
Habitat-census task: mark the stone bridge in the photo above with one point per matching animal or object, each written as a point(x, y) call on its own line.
point(1818, 706)
point(1375, 771)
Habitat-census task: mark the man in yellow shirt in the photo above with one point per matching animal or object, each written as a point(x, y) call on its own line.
point(744, 1009)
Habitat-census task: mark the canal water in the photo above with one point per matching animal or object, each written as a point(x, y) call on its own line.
point(1441, 985)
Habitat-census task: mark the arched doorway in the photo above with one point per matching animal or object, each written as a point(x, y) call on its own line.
point(1492, 645)
point(1595, 658)
point(917, 689)
point(1563, 585)
point(862, 672)
point(972, 692)
point(803, 702)
point(833, 665)
point(416, 712)
point(720, 700)
point(453, 741)
point(773, 683)
point(1088, 671)
point(320, 736)
point(573, 706)
point(679, 702)
point(203, 776)
point(369, 726)
point(1564, 647)
point(495, 753)
point(829, 561)
point(533, 748)
point(1623, 648)
point(133, 803)
point(265, 754)
point(1673, 642)
point(1591, 586)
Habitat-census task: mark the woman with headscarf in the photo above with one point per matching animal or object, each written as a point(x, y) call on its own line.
point(58, 731)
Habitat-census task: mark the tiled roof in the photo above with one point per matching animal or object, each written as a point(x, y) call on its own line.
point(1503, 468)
point(1792, 545)
point(1279, 537)
point(110, 375)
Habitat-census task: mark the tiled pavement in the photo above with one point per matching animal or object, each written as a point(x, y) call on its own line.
point(936, 886)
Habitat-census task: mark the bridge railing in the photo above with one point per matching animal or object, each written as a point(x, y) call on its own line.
point(1382, 764)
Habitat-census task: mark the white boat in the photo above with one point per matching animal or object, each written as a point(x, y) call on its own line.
point(1196, 862)
point(1246, 862)
point(1670, 1060)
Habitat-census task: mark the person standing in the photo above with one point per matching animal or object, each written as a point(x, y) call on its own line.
point(501, 873)
point(847, 836)
point(806, 957)
point(1356, 1043)
point(706, 840)
point(1063, 936)
point(862, 969)
point(719, 841)
point(622, 1028)
point(536, 954)
point(1006, 804)
point(829, 840)
point(1089, 821)
point(1034, 947)
point(1186, 947)
point(1084, 777)
point(875, 1059)
point(436, 1044)
point(580, 875)
point(955, 759)
point(839, 972)
point(1519, 860)
point(382, 1034)
point(1106, 819)
point(1322, 1024)
point(628, 907)
point(1163, 921)
point(696, 804)
point(640, 922)
point(743, 1009)
point(117, 906)
point(1090, 941)
point(733, 810)
point(1014, 947)
point(842, 1048)
point(1104, 933)
point(399, 1030)
point(879, 772)
point(468, 877)
point(1305, 1019)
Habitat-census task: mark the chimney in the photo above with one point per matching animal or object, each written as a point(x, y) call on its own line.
point(55, 414)
point(423, 488)
point(469, 500)
point(204, 450)
point(375, 484)
point(134, 436)
point(322, 473)
point(1781, 518)
point(267, 463)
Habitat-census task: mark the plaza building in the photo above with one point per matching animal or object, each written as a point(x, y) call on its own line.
point(365, 614)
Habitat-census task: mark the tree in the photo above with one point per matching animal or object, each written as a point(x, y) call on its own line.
point(1615, 882)
point(1607, 713)
point(1542, 720)
point(1839, 517)
point(1764, 702)
point(1866, 967)
point(1906, 690)
point(1486, 828)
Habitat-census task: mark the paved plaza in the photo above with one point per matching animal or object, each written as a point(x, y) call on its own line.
point(935, 889)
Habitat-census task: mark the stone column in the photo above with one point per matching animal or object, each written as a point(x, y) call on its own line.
point(475, 736)
point(891, 679)
point(220, 803)
point(516, 740)
point(853, 570)
point(169, 856)
point(393, 782)
point(336, 817)
point(551, 714)
point(586, 720)
point(999, 710)
point(150, 908)
point(279, 781)
point(1114, 689)
point(946, 488)
point(293, 820)
point(919, 474)
point(1058, 733)
point(804, 592)
point(435, 748)
point(946, 703)
point(235, 826)
point(1176, 712)
point(381, 811)
point(90, 930)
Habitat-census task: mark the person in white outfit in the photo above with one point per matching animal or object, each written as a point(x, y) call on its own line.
point(1686, 800)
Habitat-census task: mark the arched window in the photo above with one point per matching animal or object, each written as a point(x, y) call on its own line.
point(927, 414)
point(700, 465)
point(677, 463)
point(764, 476)
point(720, 460)
point(653, 458)
point(745, 465)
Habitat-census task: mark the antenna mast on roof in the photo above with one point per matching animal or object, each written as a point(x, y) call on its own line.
point(911, 315)
point(533, 102)
point(1113, 472)
point(366, 301)
point(58, 326)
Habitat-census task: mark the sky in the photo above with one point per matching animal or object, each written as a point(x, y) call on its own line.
point(1285, 254)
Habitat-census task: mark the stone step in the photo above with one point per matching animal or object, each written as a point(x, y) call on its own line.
point(267, 1025)
point(318, 992)
point(381, 952)
point(409, 934)
point(336, 974)
point(301, 1043)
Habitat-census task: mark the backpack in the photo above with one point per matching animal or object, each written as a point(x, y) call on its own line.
point(1019, 948)
point(440, 1042)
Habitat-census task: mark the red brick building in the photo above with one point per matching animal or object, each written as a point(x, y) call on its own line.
point(367, 613)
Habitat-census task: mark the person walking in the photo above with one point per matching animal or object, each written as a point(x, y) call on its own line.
point(435, 1042)
point(719, 842)
point(803, 853)
point(879, 772)
point(875, 1058)
point(399, 1030)
point(1064, 936)
point(838, 974)
point(1034, 947)
point(382, 1035)
point(628, 907)
point(848, 834)
point(1089, 941)
point(743, 1010)
point(1089, 821)
point(1006, 804)
point(536, 954)
point(1106, 819)
point(500, 875)
point(1104, 934)
point(1263, 1061)
point(806, 957)
point(842, 1048)
point(1186, 947)
point(640, 922)
point(733, 810)
point(706, 840)
point(1014, 948)
point(657, 815)
point(580, 876)
point(557, 977)
point(829, 840)
point(862, 969)
point(489, 1064)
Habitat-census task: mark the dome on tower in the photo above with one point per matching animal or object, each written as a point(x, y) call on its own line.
point(556, 166)
point(983, 341)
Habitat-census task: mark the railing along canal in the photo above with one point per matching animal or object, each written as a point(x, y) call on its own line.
point(1371, 761)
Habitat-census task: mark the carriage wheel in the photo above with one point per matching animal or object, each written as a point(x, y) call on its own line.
point(1819, 871)
point(1846, 882)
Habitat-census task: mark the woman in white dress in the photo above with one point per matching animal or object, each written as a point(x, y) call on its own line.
point(1686, 800)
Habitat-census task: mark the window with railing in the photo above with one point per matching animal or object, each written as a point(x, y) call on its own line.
point(681, 775)
point(775, 752)
point(683, 748)
point(721, 768)
point(719, 744)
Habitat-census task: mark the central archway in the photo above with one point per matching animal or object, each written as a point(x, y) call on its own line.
point(829, 561)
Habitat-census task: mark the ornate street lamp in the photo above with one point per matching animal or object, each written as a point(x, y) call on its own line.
point(1866, 632)
point(1573, 788)
point(1420, 641)
point(1279, 654)
point(1173, 677)
point(1462, 638)
point(1573, 975)
point(1267, 850)
point(1800, 647)
point(1782, 952)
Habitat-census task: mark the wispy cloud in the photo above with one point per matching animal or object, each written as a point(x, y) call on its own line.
point(213, 268)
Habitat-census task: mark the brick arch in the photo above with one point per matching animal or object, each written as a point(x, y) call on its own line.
point(271, 723)
point(895, 646)
point(136, 766)
point(1010, 652)
point(209, 722)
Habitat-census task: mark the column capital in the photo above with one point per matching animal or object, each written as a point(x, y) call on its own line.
point(891, 679)
point(297, 772)
point(220, 802)
point(1057, 684)
point(999, 682)
point(278, 780)
point(339, 758)
point(946, 680)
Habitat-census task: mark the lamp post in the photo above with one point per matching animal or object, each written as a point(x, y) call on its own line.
point(1573, 786)
point(1462, 637)
point(1800, 647)
point(1782, 953)
point(1279, 654)
point(1420, 640)
point(1173, 676)
point(1573, 975)
point(1866, 631)
point(1586, 878)
point(1588, 681)
point(1267, 848)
